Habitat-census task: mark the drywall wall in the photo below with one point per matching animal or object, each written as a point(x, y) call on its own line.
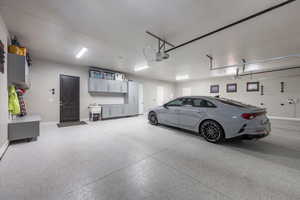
point(3, 93)
point(44, 76)
point(151, 87)
point(272, 98)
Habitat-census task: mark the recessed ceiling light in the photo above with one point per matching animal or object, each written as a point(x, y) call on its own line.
point(182, 77)
point(81, 52)
point(140, 68)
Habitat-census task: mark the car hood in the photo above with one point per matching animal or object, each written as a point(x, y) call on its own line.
point(156, 108)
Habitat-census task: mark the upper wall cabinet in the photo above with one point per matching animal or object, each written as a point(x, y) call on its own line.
point(17, 70)
point(111, 86)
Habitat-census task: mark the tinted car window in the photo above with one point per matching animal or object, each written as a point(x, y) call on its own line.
point(177, 102)
point(202, 103)
point(188, 102)
point(234, 103)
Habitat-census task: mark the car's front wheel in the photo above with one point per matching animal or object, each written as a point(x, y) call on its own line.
point(212, 131)
point(153, 118)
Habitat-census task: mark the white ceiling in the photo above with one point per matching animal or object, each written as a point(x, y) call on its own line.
point(114, 32)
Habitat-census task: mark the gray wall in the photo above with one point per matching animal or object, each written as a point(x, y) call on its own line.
point(44, 76)
point(272, 98)
point(3, 93)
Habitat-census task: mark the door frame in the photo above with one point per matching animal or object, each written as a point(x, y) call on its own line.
point(60, 95)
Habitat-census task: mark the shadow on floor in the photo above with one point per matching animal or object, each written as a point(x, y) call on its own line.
point(263, 149)
point(180, 131)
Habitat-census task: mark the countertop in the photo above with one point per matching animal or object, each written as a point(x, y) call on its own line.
point(27, 118)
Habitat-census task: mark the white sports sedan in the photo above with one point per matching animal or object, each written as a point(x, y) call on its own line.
point(216, 119)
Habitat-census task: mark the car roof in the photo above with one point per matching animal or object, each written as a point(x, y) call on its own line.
point(195, 97)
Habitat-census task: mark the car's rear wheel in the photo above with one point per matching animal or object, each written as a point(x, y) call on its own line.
point(212, 131)
point(153, 118)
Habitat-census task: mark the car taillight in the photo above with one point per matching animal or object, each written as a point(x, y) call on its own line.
point(248, 116)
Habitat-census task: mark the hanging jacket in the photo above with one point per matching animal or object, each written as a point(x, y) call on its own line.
point(13, 101)
point(21, 102)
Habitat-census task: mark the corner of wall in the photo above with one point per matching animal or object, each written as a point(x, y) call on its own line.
point(3, 93)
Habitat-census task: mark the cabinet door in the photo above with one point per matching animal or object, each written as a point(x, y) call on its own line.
point(16, 69)
point(112, 86)
point(106, 111)
point(130, 95)
point(125, 110)
point(92, 85)
point(116, 110)
point(112, 111)
point(135, 92)
point(136, 99)
point(124, 87)
point(102, 85)
point(97, 85)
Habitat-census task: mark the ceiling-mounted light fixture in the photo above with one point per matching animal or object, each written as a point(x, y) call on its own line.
point(182, 77)
point(140, 68)
point(81, 52)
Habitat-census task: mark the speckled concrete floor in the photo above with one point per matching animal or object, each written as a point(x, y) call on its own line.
point(130, 159)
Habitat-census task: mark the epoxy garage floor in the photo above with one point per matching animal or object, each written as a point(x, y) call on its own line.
point(130, 159)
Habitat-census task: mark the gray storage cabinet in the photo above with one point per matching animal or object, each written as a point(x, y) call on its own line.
point(17, 70)
point(98, 85)
point(109, 86)
point(112, 111)
point(132, 98)
point(27, 127)
point(130, 108)
point(105, 111)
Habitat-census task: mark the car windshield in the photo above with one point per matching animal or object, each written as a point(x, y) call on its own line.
point(234, 103)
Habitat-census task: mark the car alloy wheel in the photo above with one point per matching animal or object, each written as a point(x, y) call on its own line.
point(153, 119)
point(212, 131)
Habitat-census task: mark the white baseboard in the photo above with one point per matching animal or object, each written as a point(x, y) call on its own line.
point(285, 118)
point(3, 149)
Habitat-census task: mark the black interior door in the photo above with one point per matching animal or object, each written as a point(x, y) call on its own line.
point(69, 98)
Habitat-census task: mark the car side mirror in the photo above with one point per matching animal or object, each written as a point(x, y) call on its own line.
point(165, 106)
